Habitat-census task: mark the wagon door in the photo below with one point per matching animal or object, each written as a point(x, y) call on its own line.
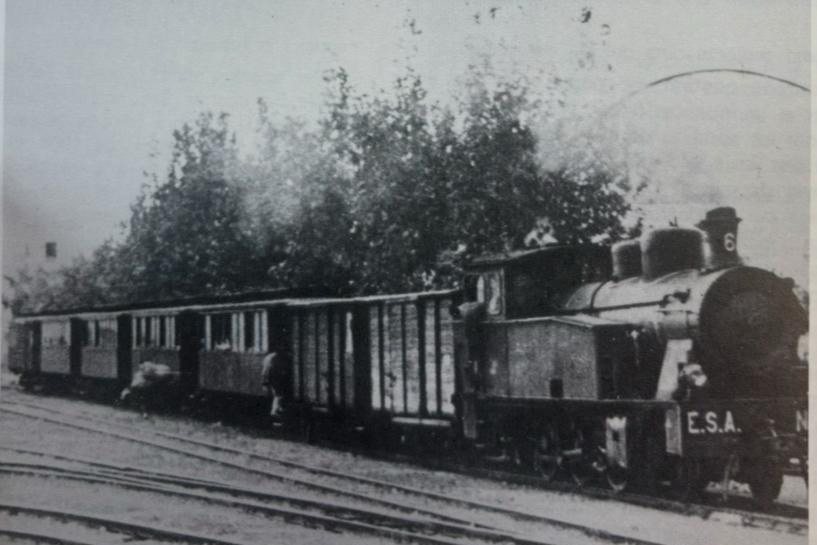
point(361, 388)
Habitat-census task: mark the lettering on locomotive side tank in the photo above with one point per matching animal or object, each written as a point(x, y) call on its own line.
point(711, 422)
point(801, 421)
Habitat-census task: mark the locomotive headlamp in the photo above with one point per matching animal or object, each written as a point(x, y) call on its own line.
point(693, 374)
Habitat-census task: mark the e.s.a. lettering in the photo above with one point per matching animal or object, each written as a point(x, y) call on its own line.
point(700, 422)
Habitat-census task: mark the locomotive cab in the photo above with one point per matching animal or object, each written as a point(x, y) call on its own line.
point(527, 283)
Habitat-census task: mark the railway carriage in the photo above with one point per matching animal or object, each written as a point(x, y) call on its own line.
point(99, 339)
point(411, 357)
point(233, 340)
point(379, 361)
point(45, 346)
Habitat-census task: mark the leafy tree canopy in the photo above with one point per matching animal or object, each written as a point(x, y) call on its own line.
point(389, 192)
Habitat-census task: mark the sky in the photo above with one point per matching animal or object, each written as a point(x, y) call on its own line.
point(94, 89)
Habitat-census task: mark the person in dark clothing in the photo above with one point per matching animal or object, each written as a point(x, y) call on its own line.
point(273, 379)
point(152, 384)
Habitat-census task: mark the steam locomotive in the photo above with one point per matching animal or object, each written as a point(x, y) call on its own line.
point(662, 359)
point(681, 365)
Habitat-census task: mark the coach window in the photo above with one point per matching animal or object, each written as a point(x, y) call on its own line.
point(55, 333)
point(220, 331)
point(170, 333)
point(254, 324)
point(102, 333)
point(162, 331)
point(249, 331)
point(89, 339)
point(148, 321)
point(471, 282)
point(137, 332)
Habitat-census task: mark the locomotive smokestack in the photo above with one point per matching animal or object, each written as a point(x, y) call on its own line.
point(721, 228)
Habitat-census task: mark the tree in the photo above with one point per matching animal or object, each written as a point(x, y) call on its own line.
point(186, 234)
point(406, 182)
point(388, 193)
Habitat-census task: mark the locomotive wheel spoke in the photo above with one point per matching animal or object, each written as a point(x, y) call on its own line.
point(547, 454)
point(729, 471)
point(587, 465)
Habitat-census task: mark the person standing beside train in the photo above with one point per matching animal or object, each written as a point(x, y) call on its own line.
point(272, 379)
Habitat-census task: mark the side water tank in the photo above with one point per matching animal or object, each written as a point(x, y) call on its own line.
point(626, 259)
point(671, 249)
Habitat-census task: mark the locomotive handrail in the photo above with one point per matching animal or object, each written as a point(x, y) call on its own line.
point(664, 301)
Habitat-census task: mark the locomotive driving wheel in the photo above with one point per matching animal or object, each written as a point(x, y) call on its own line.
point(690, 479)
point(618, 477)
point(804, 468)
point(547, 453)
point(765, 479)
point(586, 460)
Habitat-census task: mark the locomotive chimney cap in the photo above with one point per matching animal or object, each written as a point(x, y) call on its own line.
point(720, 214)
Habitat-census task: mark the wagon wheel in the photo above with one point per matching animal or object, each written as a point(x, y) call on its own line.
point(547, 453)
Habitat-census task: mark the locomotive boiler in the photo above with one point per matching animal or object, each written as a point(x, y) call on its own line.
point(664, 359)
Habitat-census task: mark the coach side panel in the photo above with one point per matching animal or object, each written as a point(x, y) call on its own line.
point(99, 350)
point(55, 352)
point(234, 347)
point(323, 357)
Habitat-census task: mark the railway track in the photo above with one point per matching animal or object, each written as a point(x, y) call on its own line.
point(111, 525)
point(323, 514)
point(39, 537)
point(790, 524)
point(438, 523)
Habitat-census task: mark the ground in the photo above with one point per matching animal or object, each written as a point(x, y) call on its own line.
point(609, 515)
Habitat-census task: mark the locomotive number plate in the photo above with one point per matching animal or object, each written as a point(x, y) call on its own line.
point(711, 422)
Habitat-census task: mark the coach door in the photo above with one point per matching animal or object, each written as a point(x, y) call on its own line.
point(124, 355)
point(189, 331)
point(78, 333)
point(34, 332)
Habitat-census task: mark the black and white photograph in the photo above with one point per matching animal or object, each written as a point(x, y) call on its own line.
point(405, 271)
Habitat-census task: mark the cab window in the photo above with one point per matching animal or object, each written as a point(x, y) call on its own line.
point(489, 291)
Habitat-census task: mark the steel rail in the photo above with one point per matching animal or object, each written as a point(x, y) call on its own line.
point(748, 517)
point(44, 538)
point(557, 523)
point(122, 525)
point(400, 528)
point(226, 463)
point(796, 524)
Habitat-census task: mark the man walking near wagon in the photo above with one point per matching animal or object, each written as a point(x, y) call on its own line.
point(272, 379)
